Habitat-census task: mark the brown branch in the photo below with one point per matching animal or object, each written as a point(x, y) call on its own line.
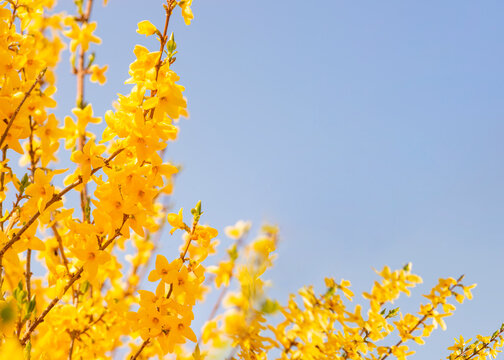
point(163, 40)
point(55, 198)
point(139, 351)
point(13, 17)
point(485, 345)
point(81, 71)
point(28, 273)
point(116, 234)
point(72, 342)
point(169, 9)
point(141, 270)
point(33, 161)
point(60, 246)
point(217, 303)
point(54, 301)
point(182, 256)
point(27, 94)
point(13, 220)
point(420, 322)
point(62, 253)
point(2, 182)
point(81, 74)
point(72, 280)
point(90, 325)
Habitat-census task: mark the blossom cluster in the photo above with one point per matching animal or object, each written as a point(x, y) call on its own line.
point(76, 243)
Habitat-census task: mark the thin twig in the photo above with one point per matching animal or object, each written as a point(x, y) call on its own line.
point(485, 345)
point(72, 342)
point(139, 351)
point(169, 9)
point(90, 325)
point(2, 182)
point(54, 301)
point(141, 270)
point(182, 256)
point(28, 273)
point(81, 74)
point(55, 198)
point(60, 246)
point(62, 253)
point(27, 94)
point(420, 322)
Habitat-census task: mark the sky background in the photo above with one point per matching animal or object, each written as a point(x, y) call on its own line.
point(369, 132)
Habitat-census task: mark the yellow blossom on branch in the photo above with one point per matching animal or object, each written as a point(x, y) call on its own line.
point(98, 74)
point(176, 221)
point(75, 250)
point(81, 36)
point(146, 28)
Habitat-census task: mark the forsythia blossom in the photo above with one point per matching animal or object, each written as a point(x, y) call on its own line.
point(76, 244)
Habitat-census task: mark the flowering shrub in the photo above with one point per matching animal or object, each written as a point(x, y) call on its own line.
point(86, 301)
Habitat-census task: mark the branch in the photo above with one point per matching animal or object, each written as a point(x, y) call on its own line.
point(60, 246)
point(420, 322)
point(169, 9)
point(182, 257)
point(55, 198)
point(137, 354)
point(73, 279)
point(486, 345)
point(54, 301)
point(90, 325)
point(27, 94)
point(81, 74)
point(2, 181)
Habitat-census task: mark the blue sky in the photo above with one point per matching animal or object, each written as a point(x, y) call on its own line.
point(369, 132)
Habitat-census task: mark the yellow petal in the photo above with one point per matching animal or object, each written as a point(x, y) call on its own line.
point(146, 28)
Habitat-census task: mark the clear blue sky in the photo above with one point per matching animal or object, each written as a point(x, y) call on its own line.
point(370, 132)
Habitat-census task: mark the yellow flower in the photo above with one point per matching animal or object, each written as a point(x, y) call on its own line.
point(149, 299)
point(146, 28)
point(11, 350)
point(238, 230)
point(49, 135)
point(84, 117)
point(186, 11)
point(13, 136)
point(165, 270)
point(98, 74)
point(152, 320)
point(175, 331)
point(41, 190)
point(88, 159)
point(467, 291)
point(401, 352)
point(223, 272)
point(81, 35)
point(182, 285)
point(437, 319)
point(176, 221)
point(29, 240)
point(211, 333)
point(92, 257)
